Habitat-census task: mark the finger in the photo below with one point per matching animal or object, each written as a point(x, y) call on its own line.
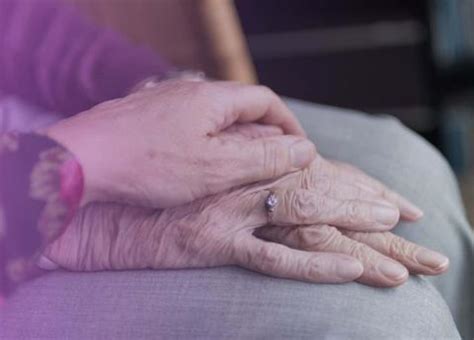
point(280, 261)
point(379, 270)
point(408, 210)
point(256, 103)
point(306, 207)
point(417, 259)
point(340, 190)
point(250, 131)
point(266, 158)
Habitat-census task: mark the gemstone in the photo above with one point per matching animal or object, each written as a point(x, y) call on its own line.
point(271, 202)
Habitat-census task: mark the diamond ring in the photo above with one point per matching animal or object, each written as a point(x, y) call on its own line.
point(271, 203)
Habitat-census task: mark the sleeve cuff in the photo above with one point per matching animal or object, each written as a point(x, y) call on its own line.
point(41, 187)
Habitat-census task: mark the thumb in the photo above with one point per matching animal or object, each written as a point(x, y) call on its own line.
point(271, 157)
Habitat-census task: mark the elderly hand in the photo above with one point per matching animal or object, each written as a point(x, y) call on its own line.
point(336, 180)
point(385, 256)
point(223, 230)
point(162, 146)
point(214, 231)
point(357, 201)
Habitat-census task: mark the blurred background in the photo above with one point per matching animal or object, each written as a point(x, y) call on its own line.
point(411, 59)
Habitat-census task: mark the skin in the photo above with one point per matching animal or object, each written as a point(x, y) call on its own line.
point(342, 242)
point(186, 151)
point(163, 146)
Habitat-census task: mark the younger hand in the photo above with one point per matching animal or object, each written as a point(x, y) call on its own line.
point(162, 146)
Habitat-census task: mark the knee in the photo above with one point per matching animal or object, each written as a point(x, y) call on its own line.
point(378, 143)
point(417, 311)
point(407, 146)
point(407, 156)
point(412, 311)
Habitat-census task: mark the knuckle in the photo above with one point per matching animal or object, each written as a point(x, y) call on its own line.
point(305, 237)
point(316, 237)
point(354, 212)
point(359, 251)
point(275, 159)
point(315, 269)
point(266, 260)
point(399, 248)
point(306, 178)
point(303, 206)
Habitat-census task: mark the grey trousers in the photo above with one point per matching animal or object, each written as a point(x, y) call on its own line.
point(229, 302)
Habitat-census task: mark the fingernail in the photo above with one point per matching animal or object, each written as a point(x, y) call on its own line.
point(385, 214)
point(410, 210)
point(432, 259)
point(349, 269)
point(393, 271)
point(302, 153)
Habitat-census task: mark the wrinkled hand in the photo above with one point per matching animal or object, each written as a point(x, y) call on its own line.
point(335, 193)
point(224, 230)
point(211, 232)
point(366, 187)
point(163, 146)
point(339, 186)
point(358, 203)
point(386, 258)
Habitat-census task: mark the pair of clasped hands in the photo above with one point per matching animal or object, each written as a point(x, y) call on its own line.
point(177, 174)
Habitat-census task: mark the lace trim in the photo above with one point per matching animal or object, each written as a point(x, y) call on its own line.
point(53, 196)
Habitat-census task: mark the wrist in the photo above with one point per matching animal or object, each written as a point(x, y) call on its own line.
point(68, 135)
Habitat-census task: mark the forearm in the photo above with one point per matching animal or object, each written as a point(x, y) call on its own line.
point(54, 57)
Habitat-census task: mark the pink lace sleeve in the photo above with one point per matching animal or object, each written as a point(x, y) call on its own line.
point(41, 186)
